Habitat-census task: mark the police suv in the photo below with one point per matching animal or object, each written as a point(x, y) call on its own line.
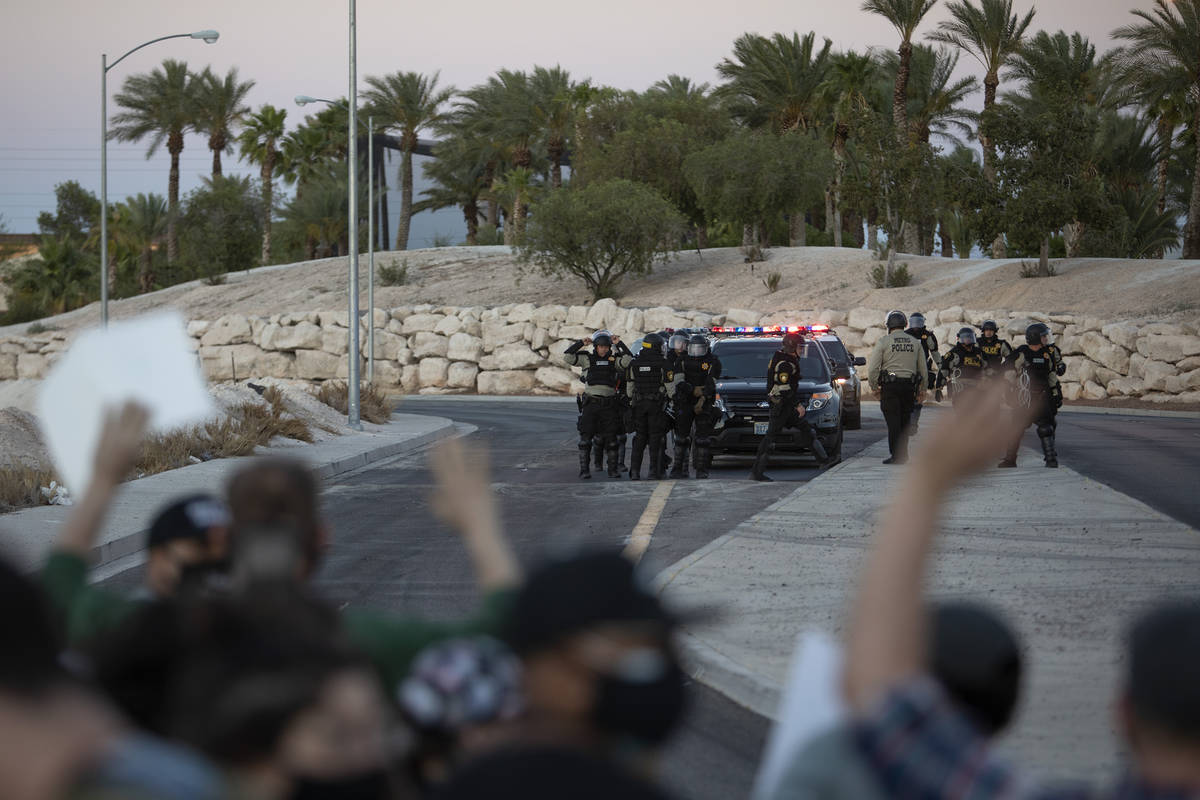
point(845, 376)
point(745, 354)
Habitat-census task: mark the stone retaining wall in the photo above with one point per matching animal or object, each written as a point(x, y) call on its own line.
point(517, 349)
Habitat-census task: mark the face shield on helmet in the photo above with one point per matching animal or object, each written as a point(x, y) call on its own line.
point(602, 339)
point(966, 337)
point(679, 342)
point(916, 321)
point(698, 347)
point(1039, 333)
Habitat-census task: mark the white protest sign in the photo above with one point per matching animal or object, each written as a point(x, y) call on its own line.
point(812, 704)
point(147, 360)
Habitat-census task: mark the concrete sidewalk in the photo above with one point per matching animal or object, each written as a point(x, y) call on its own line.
point(26, 535)
point(1069, 561)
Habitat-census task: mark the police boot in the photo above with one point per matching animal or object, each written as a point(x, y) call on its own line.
point(703, 460)
point(1048, 450)
point(585, 459)
point(635, 461)
point(1010, 459)
point(819, 450)
point(680, 468)
point(613, 470)
point(656, 468)
point(598, 450)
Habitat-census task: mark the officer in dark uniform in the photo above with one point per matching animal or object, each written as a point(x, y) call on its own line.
point(677, 346)
point(1035, 375)
point(698, 373)
point(598, 406)
point(787, 411)
point(929, 343)
point(995, 350)
point(898, 373)
point(962, 367)
point(649, 376)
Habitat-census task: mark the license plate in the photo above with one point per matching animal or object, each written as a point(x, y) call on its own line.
point(760, 428)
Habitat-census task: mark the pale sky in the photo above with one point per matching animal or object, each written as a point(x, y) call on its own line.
point(50, 62)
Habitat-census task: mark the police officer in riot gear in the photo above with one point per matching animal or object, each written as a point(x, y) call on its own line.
point(962, 367)
point(787, 410)
point(996, 351)
point(599, 408)
point(677, 346)
point(1035, 375)
point(649, 377)
point(929, 343)
point(898, 373)
point(698, 372)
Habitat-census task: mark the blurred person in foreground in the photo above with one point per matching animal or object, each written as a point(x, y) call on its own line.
point(973, 655)
point(603, 686)
point(918, 742)
point(185, 536)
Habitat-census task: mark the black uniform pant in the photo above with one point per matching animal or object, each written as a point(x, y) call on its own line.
point(686, 417)
point(649, 428)
point(896, 401)
point(1045, 407)
point(599, 417)
point(783, 415)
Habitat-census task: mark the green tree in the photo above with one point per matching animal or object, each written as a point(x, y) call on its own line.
point(142, 223)
point(222, 226)
point(554, 105)
point(160, 105)
point(775, 82)
point(601, 233)
point(220, 106)
point(322, 213)
point(408, 102)
point(76, 213)
point(750, 178)
point(846, 93)
point(992, 33)
point(459, 176)
point(515, 191)
point(61, 278)
point(260, 142)
point(1167, 40)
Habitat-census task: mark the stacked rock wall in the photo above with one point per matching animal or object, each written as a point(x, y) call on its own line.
point(517, 349)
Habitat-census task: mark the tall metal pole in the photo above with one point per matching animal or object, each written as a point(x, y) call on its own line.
point(353, 400)
point(104, 190)
point(371, 248)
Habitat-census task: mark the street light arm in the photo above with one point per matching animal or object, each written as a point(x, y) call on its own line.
point(207, 39)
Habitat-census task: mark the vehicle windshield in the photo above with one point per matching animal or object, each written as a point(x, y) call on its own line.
point(836, 350)
point(750, 359)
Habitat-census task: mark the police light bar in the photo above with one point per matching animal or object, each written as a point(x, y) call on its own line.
point(760, 330)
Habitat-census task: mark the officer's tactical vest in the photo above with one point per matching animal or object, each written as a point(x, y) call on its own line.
point(1039, 365)
point(602, 372)
point(971, 363)
point(993, 351)
point(785, 370)
point(648, 376)
point(696, 371)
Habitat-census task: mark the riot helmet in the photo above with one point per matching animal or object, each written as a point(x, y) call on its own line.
point(698, 346)
point(989, 325)
point(1039, 333)
point(896, 321)
point(678, 342)
point(966, 336)
point(602, 339)
point(791, 342)
point(916, 321)
point(652, 341)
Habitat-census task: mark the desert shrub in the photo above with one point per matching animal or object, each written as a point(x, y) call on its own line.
point(1031, 269)
point(21, 487)
point(373, 404)
point(900, 276)
point(393, 274)
point(772, 282)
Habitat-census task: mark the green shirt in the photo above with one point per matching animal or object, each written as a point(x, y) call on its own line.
point(389, 641)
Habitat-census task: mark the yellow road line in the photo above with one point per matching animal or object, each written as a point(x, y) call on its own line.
point(639, 540)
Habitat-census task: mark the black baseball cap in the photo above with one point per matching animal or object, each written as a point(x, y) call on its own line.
point(976, 657)
point(188, 518)
point(568, 596)
point(1164, 660)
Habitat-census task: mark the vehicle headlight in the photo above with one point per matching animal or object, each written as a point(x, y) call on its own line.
point(843, 381)
point(818, 400)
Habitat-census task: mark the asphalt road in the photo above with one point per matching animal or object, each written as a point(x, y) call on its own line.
point(389, 552)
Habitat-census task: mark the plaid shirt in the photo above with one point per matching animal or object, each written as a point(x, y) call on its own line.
point(922, 748)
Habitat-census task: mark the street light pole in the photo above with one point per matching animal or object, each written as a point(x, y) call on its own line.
point(353, 400)
point(371, 248)
point(209, 36)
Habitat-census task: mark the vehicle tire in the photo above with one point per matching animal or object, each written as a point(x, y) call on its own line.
point(853, 422)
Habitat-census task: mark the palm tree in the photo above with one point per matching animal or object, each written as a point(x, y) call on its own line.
point(905, 16)
point(1165, 40)
point(846, 93)
point(515, 190)
point(775, 82)
point(677, 88)
point(60, 278)
point(220, 105)
point(161, 105)
point(260, 140)
point(1051, 65)
point(410, 102)
point(143, 221)
point(935, 100)
point(459, 177)
point(992, 33)
point(553, 105)
point(322, 212)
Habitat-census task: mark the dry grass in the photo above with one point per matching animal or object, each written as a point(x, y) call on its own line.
point(20, 487)
point(373, 404)
point(246, 427)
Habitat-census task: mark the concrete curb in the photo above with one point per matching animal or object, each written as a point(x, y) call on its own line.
point(26, 535)
point(1103, 410)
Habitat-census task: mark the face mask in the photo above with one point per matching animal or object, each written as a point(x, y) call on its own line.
point(643, 698)
point(362, 786)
